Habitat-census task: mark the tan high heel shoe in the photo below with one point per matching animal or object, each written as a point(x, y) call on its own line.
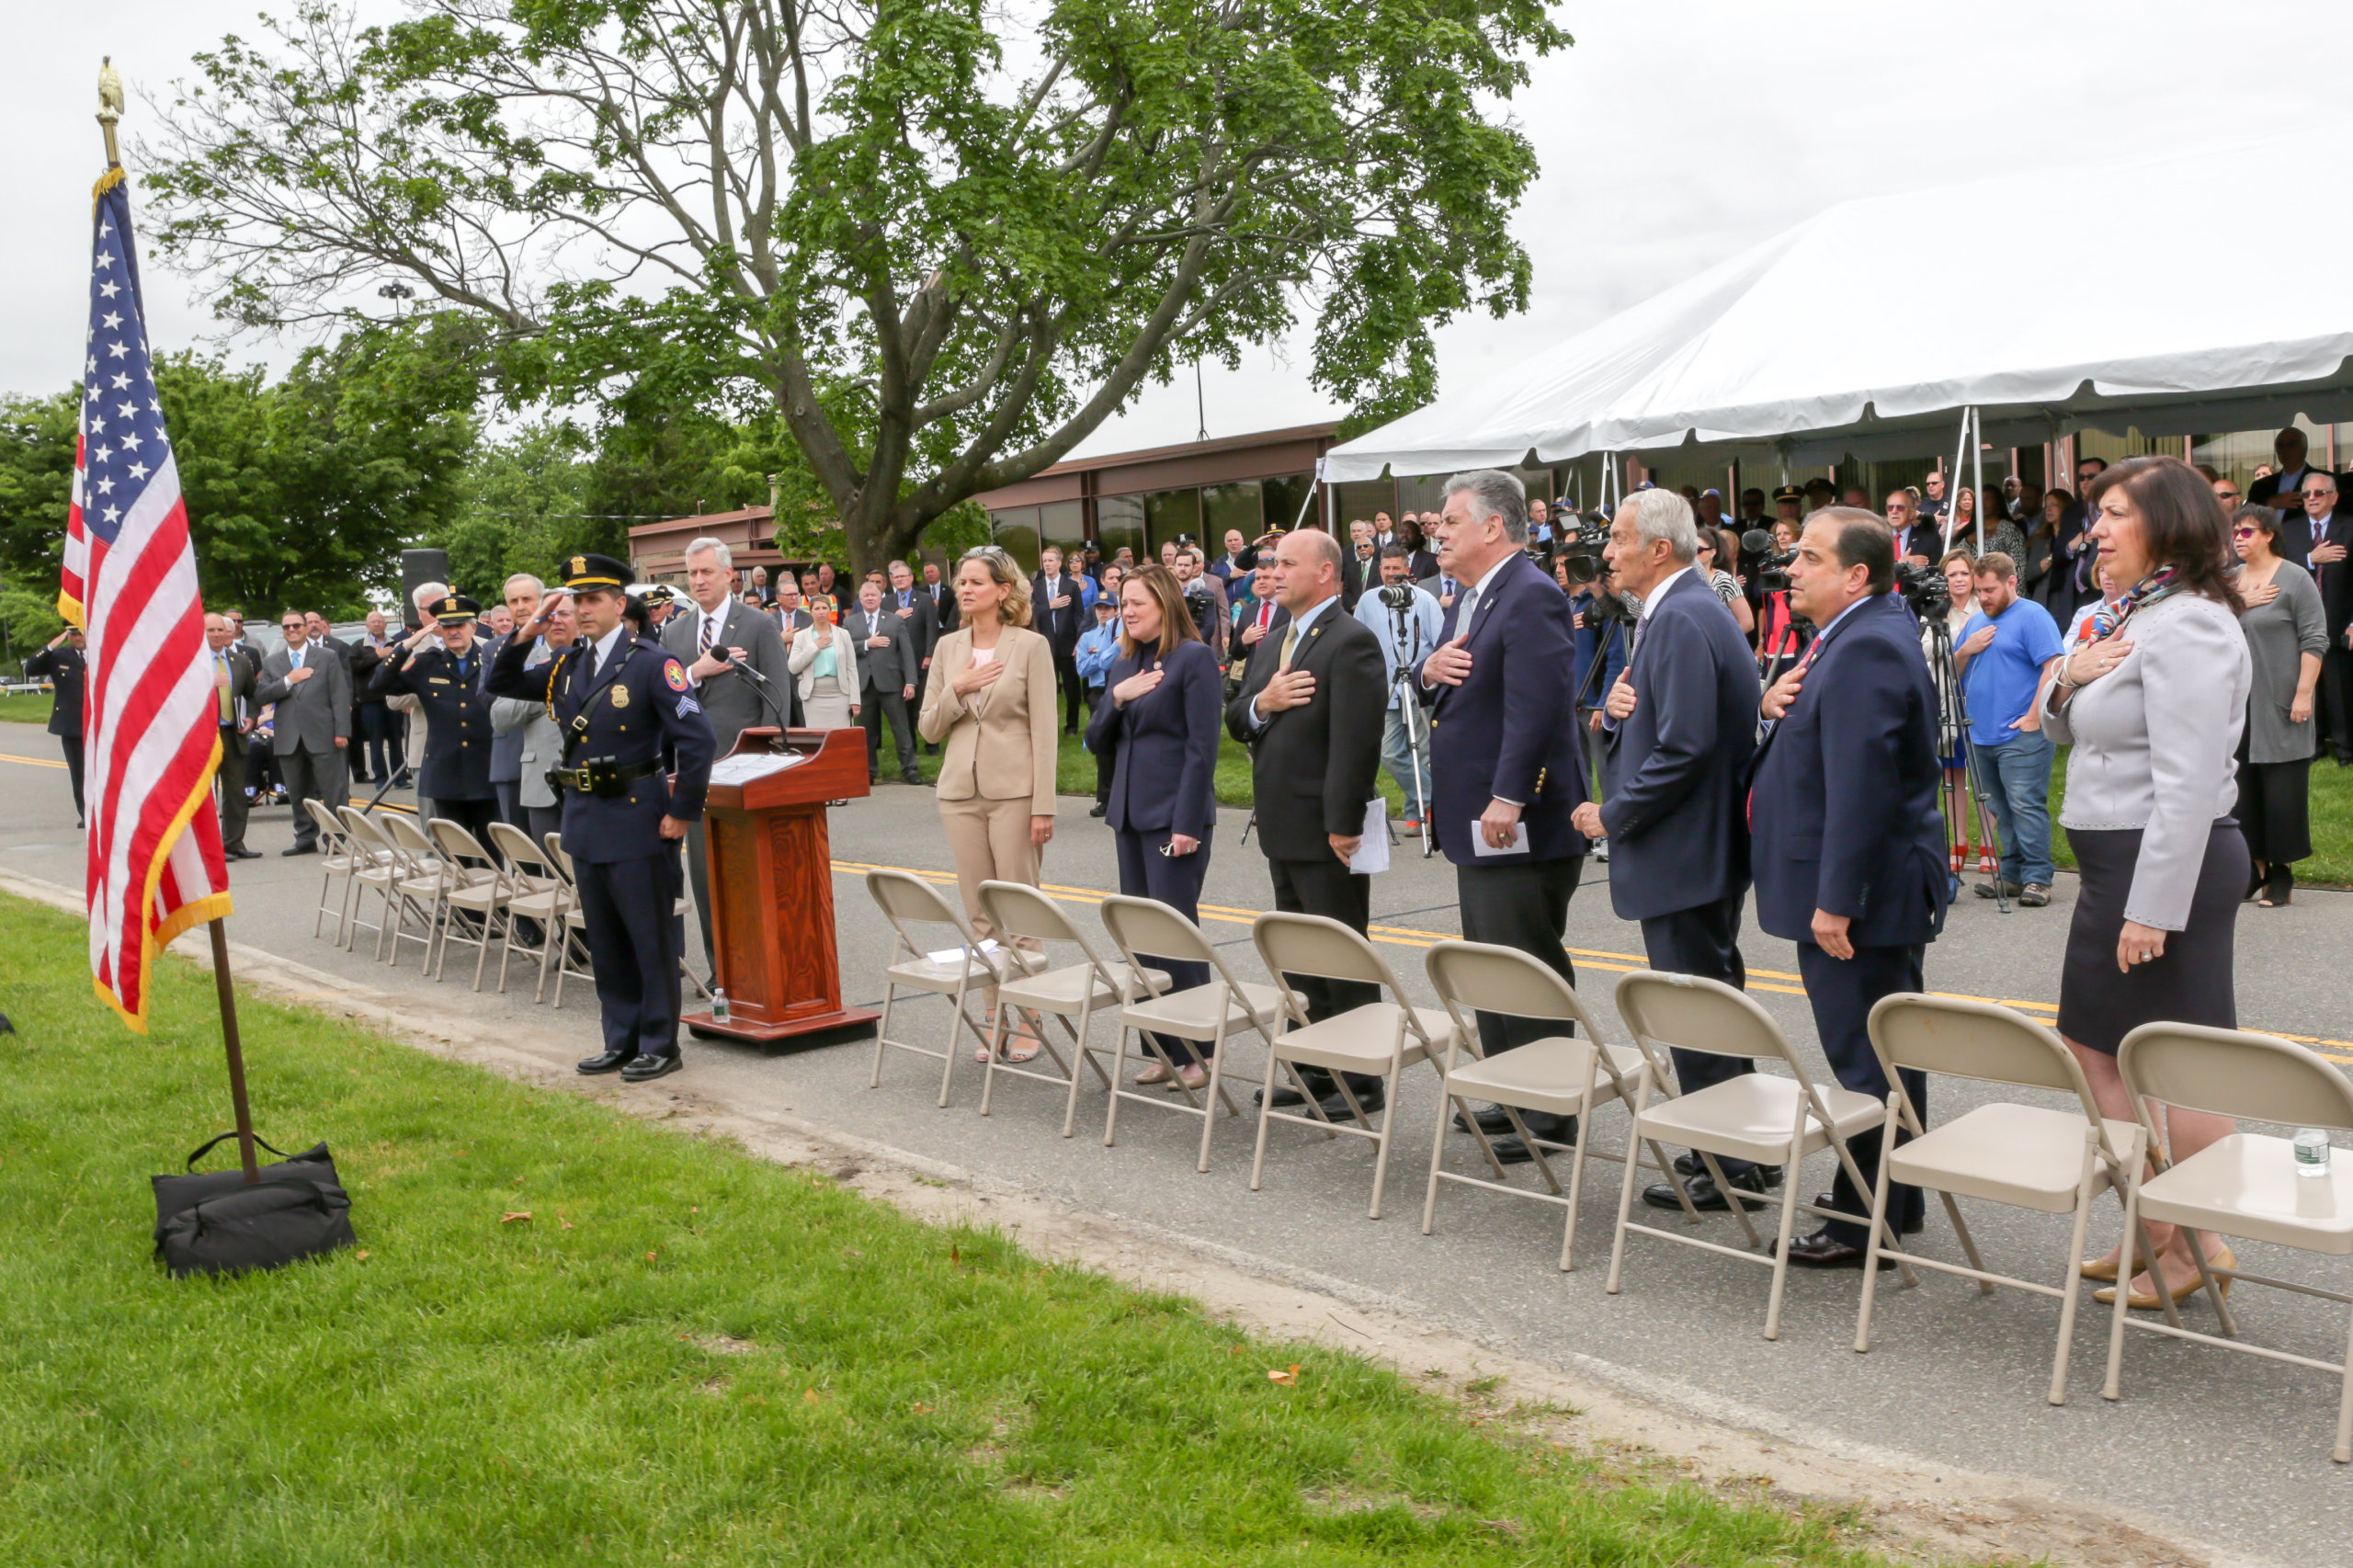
point(2148, 1302)
point(2102, 1268)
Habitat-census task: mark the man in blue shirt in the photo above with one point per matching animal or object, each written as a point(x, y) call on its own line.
point(2003, 652)
point(1406, 635)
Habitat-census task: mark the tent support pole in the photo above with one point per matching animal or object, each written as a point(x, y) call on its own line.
point(1952, 502)
point(1977, 472)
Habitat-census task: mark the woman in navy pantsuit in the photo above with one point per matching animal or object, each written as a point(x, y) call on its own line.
point(1165, 708)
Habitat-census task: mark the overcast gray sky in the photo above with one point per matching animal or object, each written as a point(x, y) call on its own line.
point(1675, 132)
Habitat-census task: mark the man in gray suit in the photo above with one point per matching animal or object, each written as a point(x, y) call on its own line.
point(711, 636)
point(887, 670)
point(522, 592)
point(311, 686)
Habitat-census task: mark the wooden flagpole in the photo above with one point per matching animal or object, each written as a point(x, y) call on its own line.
point(110, 103)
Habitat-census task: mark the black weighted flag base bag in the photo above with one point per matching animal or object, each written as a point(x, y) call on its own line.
point(218, 1222)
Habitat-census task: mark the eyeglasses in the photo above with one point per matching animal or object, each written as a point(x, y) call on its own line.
point(2241, 533)
point(2226, 495)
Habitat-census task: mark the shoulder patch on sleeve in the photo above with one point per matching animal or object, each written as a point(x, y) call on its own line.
point(673, 672)
point(687, 705)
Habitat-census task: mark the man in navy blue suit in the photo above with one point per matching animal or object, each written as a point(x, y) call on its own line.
point(1681, 722)
point(1849, 862)
point(1506, 768)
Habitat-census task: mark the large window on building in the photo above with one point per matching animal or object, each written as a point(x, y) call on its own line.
point(1286, 500)
point(1064, 525)
point(1240, 507)
point(1118, 522)
point(1361, 500)
point(1015, 530)
point(1168, 513)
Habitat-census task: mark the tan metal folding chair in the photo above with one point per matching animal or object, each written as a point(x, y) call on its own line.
point(539, 893)
point(336, 858)
point(375, 867)
point(423, 876)
point(910, 904)
point(1755, 1115)
point(1074, 993)
point(572, 955)
point(2052, 1159)
point(1560, 1074)
point(2247, 1185)
point(475, 887)
point(1212, 1014)
point(1379, 1038)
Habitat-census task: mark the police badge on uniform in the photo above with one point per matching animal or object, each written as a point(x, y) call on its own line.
point(621, 695)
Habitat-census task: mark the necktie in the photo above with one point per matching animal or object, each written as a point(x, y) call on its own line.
point(296, 659)
point(1265, 615)
point(221, 683)
point(709, 630)
point(1448, 584)
point(1290, 640)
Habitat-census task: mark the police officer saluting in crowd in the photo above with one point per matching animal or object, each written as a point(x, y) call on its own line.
point(617, 698)
point(445, 682)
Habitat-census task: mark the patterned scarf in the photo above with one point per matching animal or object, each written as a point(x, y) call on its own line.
point(2147, 591)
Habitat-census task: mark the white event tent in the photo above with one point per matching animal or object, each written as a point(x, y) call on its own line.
point(1840, 339)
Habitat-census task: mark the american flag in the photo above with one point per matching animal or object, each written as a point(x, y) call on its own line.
point(151, 731)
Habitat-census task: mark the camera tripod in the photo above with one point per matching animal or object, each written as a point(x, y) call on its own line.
point(1588, 738)
point(1408, 627)
point(1944, 669)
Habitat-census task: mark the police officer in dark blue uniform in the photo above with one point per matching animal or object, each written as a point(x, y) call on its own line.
point(619, 701)
point(447, 680)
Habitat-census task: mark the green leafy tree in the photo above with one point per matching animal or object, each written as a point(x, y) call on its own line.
point(939, 241)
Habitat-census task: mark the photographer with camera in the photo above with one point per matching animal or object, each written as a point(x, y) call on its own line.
point(1681, 722)
point(1406, 620)
point(1849, 860)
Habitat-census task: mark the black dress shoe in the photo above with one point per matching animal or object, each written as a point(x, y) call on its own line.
point(1829, 1201)
point(1101, 810)
point(1336, 1108)
point(302, 850)
point(1510, 1150)
point(1822, 1250)
point(910, 776)
point(611, 1061)
point(1492, 1120)
point(1689, 1164)
point(242, 853)
point(648, 1065)
point(1705, 1198)
point(1286, 1097)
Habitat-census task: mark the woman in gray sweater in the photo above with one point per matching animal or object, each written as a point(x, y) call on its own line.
point(2286, 635)
point(2154, 706)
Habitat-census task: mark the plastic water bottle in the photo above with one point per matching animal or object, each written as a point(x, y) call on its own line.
point(719, 1014)
point(2312, 1153)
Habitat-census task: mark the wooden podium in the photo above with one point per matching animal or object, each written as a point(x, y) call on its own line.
point(772, 884)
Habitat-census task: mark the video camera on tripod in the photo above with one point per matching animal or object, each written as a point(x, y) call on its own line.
point(1580, 553)
point(1760, 559)
point(1925, 589)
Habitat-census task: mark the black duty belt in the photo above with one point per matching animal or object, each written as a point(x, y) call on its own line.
point(602, 778)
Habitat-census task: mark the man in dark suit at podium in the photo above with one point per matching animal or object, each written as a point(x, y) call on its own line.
point(1681, 722)
point(1849, 860)
point(721, 641)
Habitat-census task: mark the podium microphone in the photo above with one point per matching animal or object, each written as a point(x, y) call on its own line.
point(726, 655)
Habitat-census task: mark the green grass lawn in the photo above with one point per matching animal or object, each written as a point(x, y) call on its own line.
point(683, 1354)
point(2332, 815)
point(29, 708)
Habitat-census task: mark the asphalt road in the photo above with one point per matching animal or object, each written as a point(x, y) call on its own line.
point(2226, 1450)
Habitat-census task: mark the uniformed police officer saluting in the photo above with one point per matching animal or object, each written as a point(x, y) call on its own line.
point(446, 681)
point(617, 698)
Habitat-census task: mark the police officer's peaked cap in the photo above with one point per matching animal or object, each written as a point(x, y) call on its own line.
point(593, 572)
point(660, 594)
point(454, 608)
point(1788, 493)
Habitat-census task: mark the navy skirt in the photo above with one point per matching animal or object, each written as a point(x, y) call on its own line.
point(2191, 983)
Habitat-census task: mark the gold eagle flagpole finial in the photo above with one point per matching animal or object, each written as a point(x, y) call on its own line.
point(110, 107)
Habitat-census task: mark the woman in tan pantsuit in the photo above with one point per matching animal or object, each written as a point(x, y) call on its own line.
point(990, 705)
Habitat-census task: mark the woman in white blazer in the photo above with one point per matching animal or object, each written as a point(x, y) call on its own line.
point(824, 664)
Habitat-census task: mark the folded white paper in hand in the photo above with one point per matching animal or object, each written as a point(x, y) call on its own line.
point(1480, 847)
point(1373, 850)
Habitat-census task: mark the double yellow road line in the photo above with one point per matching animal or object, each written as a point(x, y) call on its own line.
point(1587, 957)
